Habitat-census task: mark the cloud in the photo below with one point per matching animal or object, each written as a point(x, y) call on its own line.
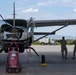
point(41, 4)
point(66, 0)
point(30, 10)
point(57, 2)
point(74, 10)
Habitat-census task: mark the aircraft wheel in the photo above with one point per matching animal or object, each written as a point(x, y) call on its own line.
point(7, 70)
point(20, 68)
point(43, 59)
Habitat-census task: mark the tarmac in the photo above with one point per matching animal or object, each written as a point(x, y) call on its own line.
point(31, 65)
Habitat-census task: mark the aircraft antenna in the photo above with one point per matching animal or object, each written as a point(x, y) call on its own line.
point(14, 14)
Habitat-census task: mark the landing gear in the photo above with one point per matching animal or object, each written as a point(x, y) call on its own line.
point(42, 57)
point(43, 60)
point(34, 51)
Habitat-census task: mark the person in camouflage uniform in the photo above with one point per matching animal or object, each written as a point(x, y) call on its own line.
point(63, 48)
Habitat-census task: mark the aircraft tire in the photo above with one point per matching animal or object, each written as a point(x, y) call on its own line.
point(43, 59)
point(7, 70)
point(20, 67)
point(1, 51)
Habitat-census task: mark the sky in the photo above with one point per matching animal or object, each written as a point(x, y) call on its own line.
point(42, 10)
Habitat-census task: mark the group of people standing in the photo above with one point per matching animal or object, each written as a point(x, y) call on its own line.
point(64, 48)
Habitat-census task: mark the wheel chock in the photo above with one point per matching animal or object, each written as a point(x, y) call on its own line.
point(43, 60)
point(43, 64)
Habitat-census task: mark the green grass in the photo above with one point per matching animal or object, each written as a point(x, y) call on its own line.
point(68, 42)
point(36, 43)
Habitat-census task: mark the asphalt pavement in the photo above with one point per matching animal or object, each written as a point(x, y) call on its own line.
point(31, 65)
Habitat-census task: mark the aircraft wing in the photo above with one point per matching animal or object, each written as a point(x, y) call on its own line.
point(43, 23)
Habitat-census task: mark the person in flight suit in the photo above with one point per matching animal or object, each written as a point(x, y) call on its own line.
point(63, 47)
point(74, 51)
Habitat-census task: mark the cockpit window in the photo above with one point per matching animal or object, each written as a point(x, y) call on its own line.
point(18, 22)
